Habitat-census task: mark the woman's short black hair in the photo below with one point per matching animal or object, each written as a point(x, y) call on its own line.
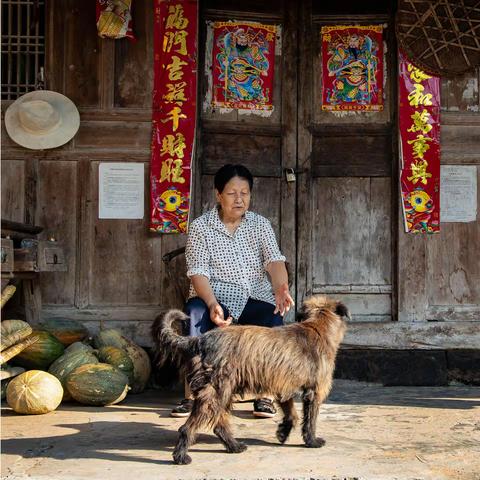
point(227, 172)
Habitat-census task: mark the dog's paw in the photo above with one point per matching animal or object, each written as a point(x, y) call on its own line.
point(182, 458)
point(238, 447)
point(315, 443)
point(283, 431)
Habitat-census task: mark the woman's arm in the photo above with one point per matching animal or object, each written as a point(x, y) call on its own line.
point(279, 276)
point(204, 290)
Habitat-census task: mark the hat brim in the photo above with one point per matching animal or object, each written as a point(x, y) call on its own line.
point(69, 121)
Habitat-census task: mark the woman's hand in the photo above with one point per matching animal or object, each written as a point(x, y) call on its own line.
point(283, 300)
point(216, 316)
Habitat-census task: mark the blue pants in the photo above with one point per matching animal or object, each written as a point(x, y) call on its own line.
point(255, 312)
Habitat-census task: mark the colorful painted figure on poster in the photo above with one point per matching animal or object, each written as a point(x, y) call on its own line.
point(353, 62)
point(242, 62)
point(171, 210)
point(418, 210)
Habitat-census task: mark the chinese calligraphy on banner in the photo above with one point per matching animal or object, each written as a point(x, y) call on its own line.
point(352, 67)
point(419, 125)
point(243, 59)
point(174, 114)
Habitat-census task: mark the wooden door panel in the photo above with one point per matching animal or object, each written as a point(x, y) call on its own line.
point(351, 232)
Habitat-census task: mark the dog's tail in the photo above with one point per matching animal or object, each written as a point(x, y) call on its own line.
point(169, 344)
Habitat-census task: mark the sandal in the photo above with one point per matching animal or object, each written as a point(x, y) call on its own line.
point(183, 409)
point(264, 408)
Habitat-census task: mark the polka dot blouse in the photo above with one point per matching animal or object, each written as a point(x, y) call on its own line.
point(233, 263)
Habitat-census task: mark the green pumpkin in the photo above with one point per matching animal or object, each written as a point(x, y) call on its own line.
point(141, 361)
point(97, 384)
point(67, 363)
point(66, 330)
point(41, 354)
point(118, 358)
point(79, 346)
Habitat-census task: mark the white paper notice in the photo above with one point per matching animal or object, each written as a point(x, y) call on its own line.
point(458, 193)
point(121, 190)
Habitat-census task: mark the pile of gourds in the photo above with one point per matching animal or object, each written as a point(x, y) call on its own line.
point(55, 362)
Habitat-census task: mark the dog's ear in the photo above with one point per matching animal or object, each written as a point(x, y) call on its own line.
point(342, 311)
point(301, 315)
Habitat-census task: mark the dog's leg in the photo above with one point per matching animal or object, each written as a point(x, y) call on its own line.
point(311, 404)
point(290, 419)
point(223, 431)
point(200, 416)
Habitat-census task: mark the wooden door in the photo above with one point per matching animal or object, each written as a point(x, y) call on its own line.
point(265, 144)
point(347, 175)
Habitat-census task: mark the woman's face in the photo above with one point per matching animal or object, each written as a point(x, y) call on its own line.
point(235, 198)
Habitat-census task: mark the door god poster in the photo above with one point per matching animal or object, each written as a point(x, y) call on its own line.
point(174, 114)
point(419, 126)
point(242, 65)
point(352, 67)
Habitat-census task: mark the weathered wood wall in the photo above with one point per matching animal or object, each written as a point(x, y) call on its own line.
point(115, 273)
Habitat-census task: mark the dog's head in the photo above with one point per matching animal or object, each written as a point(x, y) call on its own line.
point(318, 304)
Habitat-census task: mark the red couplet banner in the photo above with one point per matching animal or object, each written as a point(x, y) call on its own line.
point(419, 126)
point(174, 113)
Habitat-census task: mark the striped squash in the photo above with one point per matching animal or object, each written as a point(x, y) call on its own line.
point(67, 363)
point(118, 358)
point(66, 330)
point(97, 384)
point(41, 354)
point(141, 361)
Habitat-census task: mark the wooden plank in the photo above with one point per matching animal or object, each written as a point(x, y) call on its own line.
point(55, 45)
point(411, 268)
point(125, 259)
point(459, 142)
point(261, 154)
point(370, 154)
point(458, 313)
point(57, 214)
point(31, 200)
point(136, 322)
point(415, 335)
point(453, 264)
point(82, 53)
point(134, 62)
point(351, 237)
point(13, 190)
point(460, 93)
point(84, 234)
point(304, 149)
point(366, 306)
point(114, 135)
point(288, 193)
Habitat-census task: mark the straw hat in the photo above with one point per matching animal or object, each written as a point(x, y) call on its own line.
point(42, 119)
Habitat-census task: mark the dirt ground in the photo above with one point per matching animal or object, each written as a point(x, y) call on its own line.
point(372, 432)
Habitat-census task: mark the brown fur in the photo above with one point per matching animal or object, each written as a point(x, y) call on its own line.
point(278, 361)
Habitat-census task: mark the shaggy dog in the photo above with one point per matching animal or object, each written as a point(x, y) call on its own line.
point(278, 361)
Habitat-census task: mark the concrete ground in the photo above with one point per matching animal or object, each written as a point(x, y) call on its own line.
point(372, 432)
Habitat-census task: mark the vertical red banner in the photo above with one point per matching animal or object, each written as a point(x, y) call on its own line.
point(174, 113)
point(419, 127)
point(352, 67)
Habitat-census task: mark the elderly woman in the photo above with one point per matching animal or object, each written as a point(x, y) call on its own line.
point(229, 252)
